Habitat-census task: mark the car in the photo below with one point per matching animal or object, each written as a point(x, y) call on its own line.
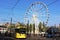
point(50, 35)
point(3, 29)
point(52, 32)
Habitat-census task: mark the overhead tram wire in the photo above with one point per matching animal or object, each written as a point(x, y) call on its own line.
point(15, 4)
point(52, 2)
point(19, 0)
point(12, 9)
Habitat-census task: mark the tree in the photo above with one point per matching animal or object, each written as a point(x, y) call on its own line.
point(30, 28)
point(44, 27)
point(39, 26)
point(27, 27)
point(34, 28)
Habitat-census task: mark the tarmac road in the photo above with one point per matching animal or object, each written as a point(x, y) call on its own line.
point(32, 37)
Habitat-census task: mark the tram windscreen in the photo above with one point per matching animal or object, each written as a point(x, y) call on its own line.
point(21, 30)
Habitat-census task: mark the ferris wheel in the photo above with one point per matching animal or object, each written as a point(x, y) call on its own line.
point(37, 11)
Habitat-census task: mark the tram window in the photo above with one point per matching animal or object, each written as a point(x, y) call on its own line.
point(16, 30)
point(20, 30)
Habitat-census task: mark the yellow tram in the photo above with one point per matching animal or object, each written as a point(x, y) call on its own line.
point(20, 33)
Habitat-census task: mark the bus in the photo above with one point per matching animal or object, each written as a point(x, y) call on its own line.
point(20, 33)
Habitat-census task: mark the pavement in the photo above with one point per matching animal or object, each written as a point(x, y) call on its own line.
point(29, 37)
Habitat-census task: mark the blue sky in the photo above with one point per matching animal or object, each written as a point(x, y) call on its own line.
point(20, 9)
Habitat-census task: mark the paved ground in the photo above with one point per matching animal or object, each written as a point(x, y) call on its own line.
point(38, 37)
